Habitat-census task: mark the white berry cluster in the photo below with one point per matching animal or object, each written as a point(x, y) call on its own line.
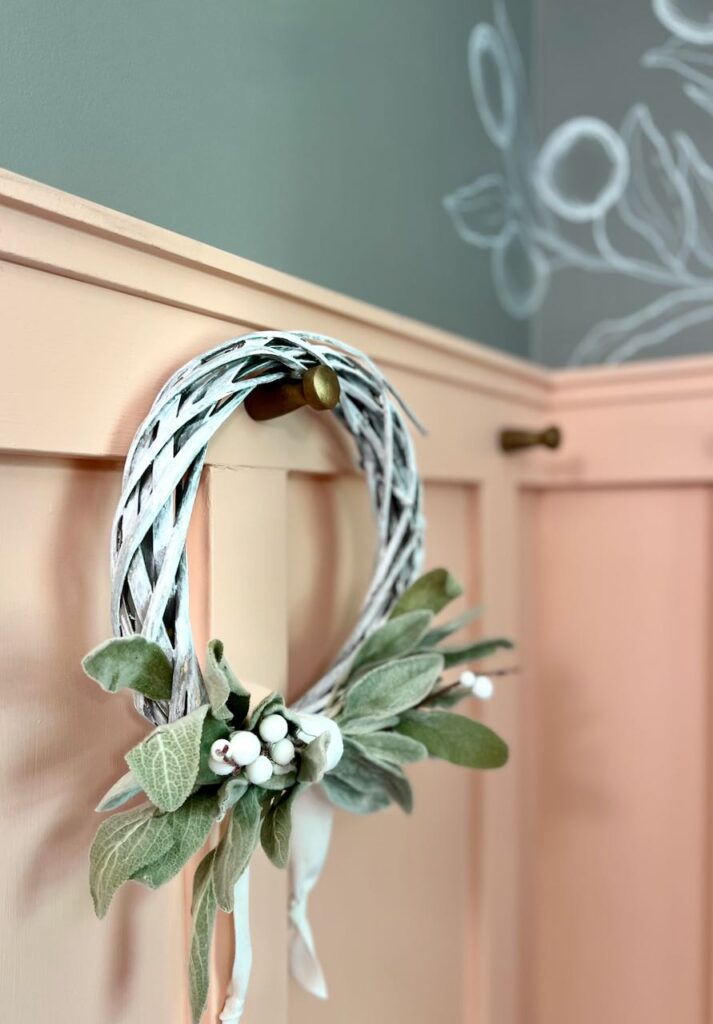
point(268, 752)
point(480, 686)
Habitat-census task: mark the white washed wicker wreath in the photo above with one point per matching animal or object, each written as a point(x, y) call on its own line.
point(271, 772)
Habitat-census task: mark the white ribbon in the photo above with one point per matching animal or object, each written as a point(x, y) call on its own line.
point(312, 817)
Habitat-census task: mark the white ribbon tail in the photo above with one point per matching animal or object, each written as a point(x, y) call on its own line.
point(312, 817)
point(243, 960)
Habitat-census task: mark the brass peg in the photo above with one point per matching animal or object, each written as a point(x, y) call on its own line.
point(318, 389)
point(515, 440)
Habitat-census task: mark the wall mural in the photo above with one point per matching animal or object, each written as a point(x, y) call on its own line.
point(628, 202)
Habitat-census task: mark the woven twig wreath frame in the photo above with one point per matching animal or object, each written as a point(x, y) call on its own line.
point(162, 474)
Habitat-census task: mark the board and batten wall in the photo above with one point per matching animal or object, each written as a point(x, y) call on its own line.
point(572, 885)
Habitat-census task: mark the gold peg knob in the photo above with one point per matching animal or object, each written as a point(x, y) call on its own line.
point(515, 440)
point(318, 389)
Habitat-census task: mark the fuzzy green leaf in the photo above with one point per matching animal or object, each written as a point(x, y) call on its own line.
point(278, 781)
point(213, 729)
point(455, 738)
point(392, 747)
point(392, 687)
point(313, 759)
point(190, 825)
point(447, 697)
point(370, 776)
point(267, 706)
point(395, 638)
point(236, 847)
point(361, 726)
point(276, 828)
point(220, 683)
point(357, 801)
point(230, 793)
point(473, 652)
point(131, 661)
point(123, 844)
point(433, 591)
point(166, 763)
point(203, 910)
point(446, 629)
point(123, 790)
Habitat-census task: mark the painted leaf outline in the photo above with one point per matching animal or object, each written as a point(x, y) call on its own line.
point(657, 202)
point(480, 212)
point(698, 175)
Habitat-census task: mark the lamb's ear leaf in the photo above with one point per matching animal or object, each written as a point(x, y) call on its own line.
point(166, 763)
point(123, 844)
point(230, 793)
point(221, 682)
point(455, 738)
point(313, 760)
point(203, 910)
point(276, 828)
point(392, 687)
point(123, 790)
point(343, 794)
point(235, 849)
point(267, 706)
point(394, 638)
point(376, 781)
point(130, 662)
point(446, 629)
point(474, 652)
point(433, 591)
point(392, 747)
point(213, 729)
point(191, 825)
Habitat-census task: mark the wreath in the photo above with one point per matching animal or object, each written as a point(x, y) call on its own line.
point(230, 769)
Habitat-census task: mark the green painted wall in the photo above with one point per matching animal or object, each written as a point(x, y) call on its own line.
point(315, 136)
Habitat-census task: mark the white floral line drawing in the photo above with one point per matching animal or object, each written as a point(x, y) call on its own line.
point(684, 53)
point(653, 195)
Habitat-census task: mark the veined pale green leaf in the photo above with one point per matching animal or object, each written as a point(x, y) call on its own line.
point(123, 790)
point(229, 793)
point(433, 591)
point(277, 781)
point(446, 629)
point(236, 847)
point(277, 826)
point(313, 759)
point(391, 688)
point(473, 652)
point(360, 726)
point(203, 910)
point(447, 696)
point(221, 682)
point(392, 747)
point(396, 637)
point(267, 706)
point(213, 729)
point(131, 661)
point(122, 845)
point(166, 762)
point(344, 795)
point(190, 825)
point(455, 738)
point(368, 775)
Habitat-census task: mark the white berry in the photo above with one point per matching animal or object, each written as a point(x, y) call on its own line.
point(483, 687)
point(273, 728)
point(283, 751)
point(219, 749)
point(244, 747)
point(468, 679)
point(259, 771)
point(219, 767)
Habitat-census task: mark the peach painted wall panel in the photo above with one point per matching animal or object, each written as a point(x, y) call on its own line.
point(618, 616)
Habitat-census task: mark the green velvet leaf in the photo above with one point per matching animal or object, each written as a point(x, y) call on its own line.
point(213, 729)
point(447, 697)
point(278, 781)
point(236, 847)
point(166, 763)
point(392, 747)
point(360, 726)
point(433, 591)
point(343, 794)
point(446, 629)
point(230, 793)
point(370, 776)
point(123, 790)
point(203, 910)
point(191, 825)
point(391, 688)
point(267, 706)
point(221, 684)
point(313, 759)
point(276, 828)
point(473, 652)
point(131, 661)
point(122, 845)
point(455, 738)
point(396, 637)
